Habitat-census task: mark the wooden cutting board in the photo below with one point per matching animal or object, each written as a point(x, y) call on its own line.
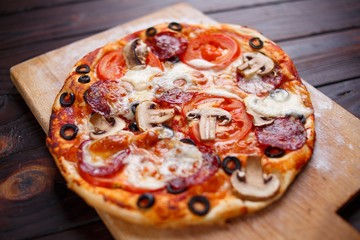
point(306, 211)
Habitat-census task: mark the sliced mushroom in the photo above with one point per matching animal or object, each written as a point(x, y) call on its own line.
point(135, 53)
point(208, 117)
point(103, 127)
point(146, 115)
point(253, 184)
point(255, 63)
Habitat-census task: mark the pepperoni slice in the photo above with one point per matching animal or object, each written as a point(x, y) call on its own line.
point(260, 84)
point(209, 167)
point(286, 133)
point(167, 44)
point(105, 97)
point(175, 95)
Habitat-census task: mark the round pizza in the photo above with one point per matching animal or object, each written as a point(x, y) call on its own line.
point(182, 124)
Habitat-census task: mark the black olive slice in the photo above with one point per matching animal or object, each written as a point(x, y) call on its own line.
point(150, 32)
point(175, 26)
point(199, 205)
point(231, 164)
point(67, 99)
point(176, 186)
point(146, 200)
point(133, 106)
point(133, 127)
point(274, 152)
point(84, 79)
point(256, 43)
point(173, 59)
point(188, 141)
point(83, 68)
point(69, 131)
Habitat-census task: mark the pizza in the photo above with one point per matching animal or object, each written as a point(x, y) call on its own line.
point(182, 124)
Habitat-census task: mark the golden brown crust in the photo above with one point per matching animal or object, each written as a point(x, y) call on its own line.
point(171, 210)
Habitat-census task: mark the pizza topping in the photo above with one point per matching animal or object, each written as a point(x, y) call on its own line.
point(83, 68)
point(104, 127)
point(175, 26)
point(188, 141)
point(251, 184)
point(274, 152)
point(163, 132)
point(285, 133)
point(231, 164)
point(68, 131)
point(67, 99)
point(168, 44)
point(109, 97)
point(146, 200)
point(199, 205)
point(255, 63)
point(175, 95)
point(279, 95)
point(178, 76)
point(146, 115)
point(150, 32)
point(111, 66)
point(200, 64)
point(176, 186)
point(208, 117)
point(84, 79)
point(220, 92)
point(133, 127)
point(213, 48)
point(102, 158)
point(140, 78)
point(256, 43)
point(278, 103)
point(136, 52)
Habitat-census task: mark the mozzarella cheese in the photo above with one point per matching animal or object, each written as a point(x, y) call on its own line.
point(145, 170)
point(176, 72)
point(140, 78)
point(181, 161)
point(200, 63)
point(272, 107)
point(221, 93)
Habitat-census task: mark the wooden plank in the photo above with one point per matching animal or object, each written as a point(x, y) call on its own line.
point(303, 207)
point(345, 93)
point(14, 6)
point(34, 199)
point(296, 19)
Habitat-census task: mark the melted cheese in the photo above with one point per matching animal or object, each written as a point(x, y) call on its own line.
point(176, 72)
point(271, 107)
point(181, 161)
point(220, 92)
point(141, 170)
point(145, 170)
point(200, 64)
point(140, 78)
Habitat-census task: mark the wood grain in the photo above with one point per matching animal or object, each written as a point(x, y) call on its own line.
point(295, 18)
point(303, 207)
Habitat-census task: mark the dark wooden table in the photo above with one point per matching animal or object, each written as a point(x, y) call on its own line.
point(321, 36)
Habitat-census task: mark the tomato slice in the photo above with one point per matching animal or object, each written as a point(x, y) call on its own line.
point(113, 65)
point(99, 161)
point(216, 48)
point(240, 124)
